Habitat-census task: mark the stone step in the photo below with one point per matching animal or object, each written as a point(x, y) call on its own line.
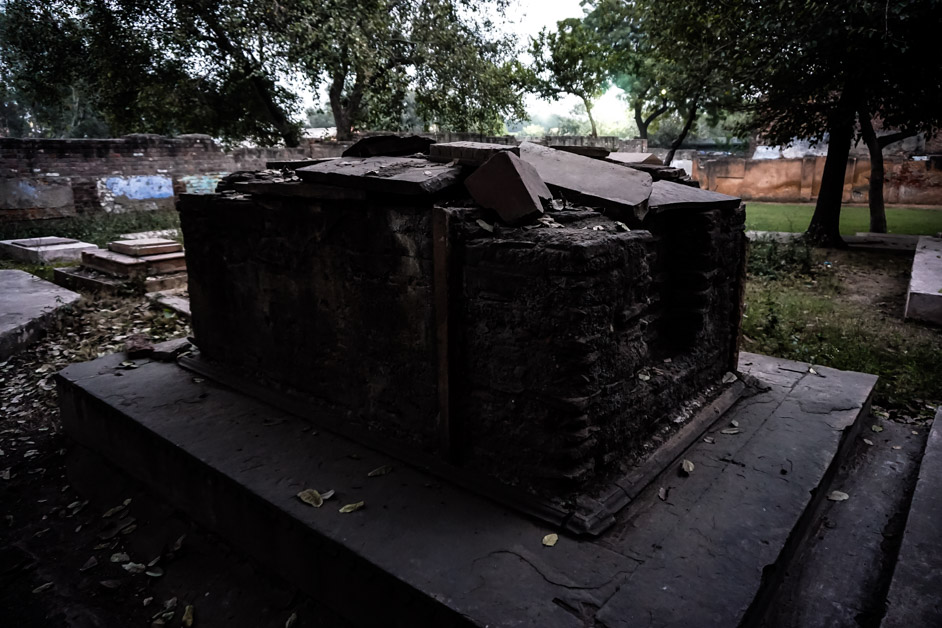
point(915, 595)
point(145, 246)
point(840, 576)
point(129, 266)
point(924, 299)
point(689, 550)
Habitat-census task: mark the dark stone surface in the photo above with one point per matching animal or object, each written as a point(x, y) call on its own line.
point(27, 307)
point(914, 598)
point(620, 192)
point(389, 146)
point(667, 195)
point(509, 186)
point(422, 552)
point(387, 175)
point(839, 578)
point(468, 153)
point(595, 152)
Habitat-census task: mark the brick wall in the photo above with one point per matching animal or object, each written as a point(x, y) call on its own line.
point(52, 178)
point(799, 180)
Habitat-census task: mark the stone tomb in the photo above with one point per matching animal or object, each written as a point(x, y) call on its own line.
point(45, 250)
point(138, 265)
point(546, 365)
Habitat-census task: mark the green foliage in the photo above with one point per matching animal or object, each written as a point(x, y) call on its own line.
point(813, 320)
point(570, 61)
point(372, 54)
point(771, 258)
point(158, 66)
point(99, 228)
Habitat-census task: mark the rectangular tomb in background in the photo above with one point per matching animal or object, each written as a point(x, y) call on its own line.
point(542, 362)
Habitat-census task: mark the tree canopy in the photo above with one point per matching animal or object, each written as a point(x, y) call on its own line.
point(230, 68)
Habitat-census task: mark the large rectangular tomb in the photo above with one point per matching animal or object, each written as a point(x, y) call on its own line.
point(543, 362)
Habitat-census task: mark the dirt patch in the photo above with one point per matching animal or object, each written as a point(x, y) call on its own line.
point(872, 278)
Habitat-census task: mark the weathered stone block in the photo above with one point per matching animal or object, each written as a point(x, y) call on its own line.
point(509, 186)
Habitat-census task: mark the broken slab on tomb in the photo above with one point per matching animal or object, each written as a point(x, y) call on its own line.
point(468, 153)
point(509, 186)
point(635, 158)
point(406, 176)
point(389, 146)
point(44, 250)
point(145, 246)
point(620, 192)
point(667, 195)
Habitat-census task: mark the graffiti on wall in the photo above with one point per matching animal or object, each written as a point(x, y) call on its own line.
point(201, 183)
point(121, 194)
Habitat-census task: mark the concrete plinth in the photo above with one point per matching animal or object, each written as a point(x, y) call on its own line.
point(44, 250)
point(924, 299)
point(688, 550)
point(27, 307)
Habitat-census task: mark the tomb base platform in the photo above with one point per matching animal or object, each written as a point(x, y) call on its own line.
point(704, 549)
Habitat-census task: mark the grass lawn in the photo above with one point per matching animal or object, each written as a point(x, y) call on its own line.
point(844, 309)
point(854, 218)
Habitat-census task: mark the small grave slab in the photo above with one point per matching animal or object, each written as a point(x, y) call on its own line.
point(509, 186)
point(913, 599)
point(115, 264)
point(389, 146)
point(406, 176)
point(27, 306)
point(44, 250)
point(622, 192)
point(924, 299)
point(145, 246)
point(468, 153)
point(667, 196)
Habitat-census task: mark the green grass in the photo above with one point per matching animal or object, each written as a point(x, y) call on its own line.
point(806, 313)
point(96, 228)
point(854, 218)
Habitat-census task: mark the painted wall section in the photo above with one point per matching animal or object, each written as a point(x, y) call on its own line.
point(201, 183)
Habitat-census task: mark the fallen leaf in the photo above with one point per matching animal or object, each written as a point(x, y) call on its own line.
point(120, 557)
point(915, 432)
point(897, 446)
point(154, 572)
point(311, 497)
point(838, 496)
point(731, 430)
point(154, 562)
point(177, 544)
point(662, 494)
point(91, 562)
point(643, 376)
point(485, 226)
point(868, 441)
point(709, 440)
point(876, 428)
point(686, 467)
point(383, 470)
point(812, 371)
point(133, 567)
point(292, 620)
point(729, 378)
point(327, 495)
point(550, 540)
point(734, 423)
point(352, 507)
point(170, 604)
point(147, 601)
point(188, 616)
point(42, 587)
point(110, 584)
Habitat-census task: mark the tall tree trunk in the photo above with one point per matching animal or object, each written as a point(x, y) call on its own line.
point(691, 116)
point(645, 122)
point(345, 108)
point(877, 174)
point(588, 112)
point(826, 220)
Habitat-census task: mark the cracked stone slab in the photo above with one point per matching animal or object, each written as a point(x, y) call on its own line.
point(443, 556)
point(405, 176)
point(622, 192)
point(924, 299)
point(914, 596)
point(667, 195)
point(27, 307)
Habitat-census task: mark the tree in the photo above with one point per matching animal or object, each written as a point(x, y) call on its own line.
point(371, 54)
point(162, 66)
point(569, 61)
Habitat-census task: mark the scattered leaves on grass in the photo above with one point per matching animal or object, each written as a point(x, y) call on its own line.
point(383, 470)
point(311, 497)
point(838, 496)
point(352, 507)
point(550, 539)
point(686, 467)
